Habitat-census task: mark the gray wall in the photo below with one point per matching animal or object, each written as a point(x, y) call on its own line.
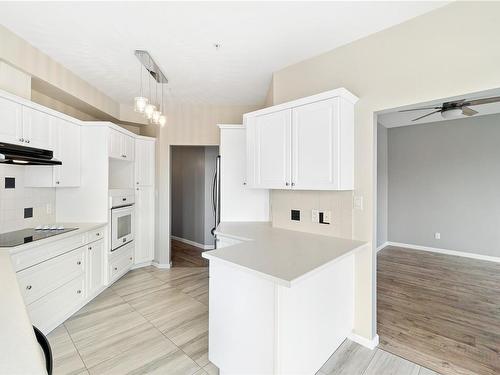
point(210, 156)
point(191, 185)
point(445, 177)
point(382, 182)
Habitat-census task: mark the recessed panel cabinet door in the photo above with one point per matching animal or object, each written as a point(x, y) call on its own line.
point(144, 224)
point(68, 151)
point(315, 145)
point(272, 149)
point(37, 128)
point(144, 162)
point(128, 147)
point(11, 126)
point(115, 144)
point(95, 267)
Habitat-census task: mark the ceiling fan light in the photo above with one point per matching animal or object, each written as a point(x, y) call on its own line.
point(140, 103)
point(451, 113)
point(162, 120)
point(156, 117)
point(148, 111)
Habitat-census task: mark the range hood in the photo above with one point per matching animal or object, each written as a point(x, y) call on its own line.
point(22, 155)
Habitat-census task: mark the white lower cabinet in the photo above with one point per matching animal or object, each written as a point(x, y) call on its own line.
point(66, 275)
point(121, 262)
point(95, 267)
point(144, 224)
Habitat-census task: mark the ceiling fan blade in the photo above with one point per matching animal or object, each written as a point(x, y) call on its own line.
point(418, 109)
point(468, 111)
point(493, 99)
point(421, 117)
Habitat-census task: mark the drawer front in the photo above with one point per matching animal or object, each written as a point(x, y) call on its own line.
point(50, 310)
point(119, 265)
point(38, 254)
point(37, 281)
point(96, 235)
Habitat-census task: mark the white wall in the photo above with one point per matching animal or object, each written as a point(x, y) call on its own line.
point(445, 177)
point(416, 61)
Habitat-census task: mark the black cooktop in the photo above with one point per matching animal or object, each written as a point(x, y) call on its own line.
point(20, 237)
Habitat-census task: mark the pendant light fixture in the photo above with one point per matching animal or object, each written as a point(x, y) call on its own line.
point(140, 101)
point(151, 109)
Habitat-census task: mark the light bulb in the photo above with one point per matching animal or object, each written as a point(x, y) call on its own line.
point(162, 120)
point(148, 111)
point(156, 117)
point(140, 103)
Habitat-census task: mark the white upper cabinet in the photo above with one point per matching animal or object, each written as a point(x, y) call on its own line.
point(37, 128)
point(144, 162)
point(307, 144)
point(67, 149)
point(120, 146)
point(11, 125)
point(269, 150)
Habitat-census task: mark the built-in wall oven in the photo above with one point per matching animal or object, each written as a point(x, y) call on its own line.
point(122, 218)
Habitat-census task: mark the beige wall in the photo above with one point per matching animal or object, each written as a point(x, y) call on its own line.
point(451, 51)
point(15, 81)
point(187, 124)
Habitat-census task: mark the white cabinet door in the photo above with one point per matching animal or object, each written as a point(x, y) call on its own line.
point(115, 144)
point(67, 136)
point(272, 151)
point(144, 162)
point(128, 147)
point(37, 128)
point(11, 126)
point(144, 224)
point(95, 267)
point(315, 145)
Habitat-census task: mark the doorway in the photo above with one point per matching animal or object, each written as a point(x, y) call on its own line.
point(193, 212)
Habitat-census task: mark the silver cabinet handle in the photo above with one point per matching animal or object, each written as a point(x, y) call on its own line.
point(98, 234)
point(22, 139)
point(57, 182)
point(137, 183)
point(78, 291)
point(28, 287)
point(79, 262)
point(115, 268)
point(244, 183)
point(130, 258)
point(90, 247)
point(293, 183)
point(27, 141)
point(287, 184)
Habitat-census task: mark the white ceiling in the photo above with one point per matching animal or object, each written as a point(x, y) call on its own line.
point(393, 118)
point(96, 40)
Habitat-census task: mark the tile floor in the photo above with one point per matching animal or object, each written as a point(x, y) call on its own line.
point(156, 321)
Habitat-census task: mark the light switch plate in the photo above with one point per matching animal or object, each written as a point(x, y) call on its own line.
point(327, 217)
point(315, 216)
point(358, 202)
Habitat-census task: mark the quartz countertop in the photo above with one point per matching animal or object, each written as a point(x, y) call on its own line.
point(21, 353)
point(280, 255)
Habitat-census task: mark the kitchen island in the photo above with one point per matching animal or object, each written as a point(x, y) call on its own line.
point(281, 301)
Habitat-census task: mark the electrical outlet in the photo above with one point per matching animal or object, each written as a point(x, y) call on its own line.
point(315, 216)
point(295, 215)
point(437, 236)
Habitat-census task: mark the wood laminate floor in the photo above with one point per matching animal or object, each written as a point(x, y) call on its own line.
point(440, 311)
point(185, 255)
point(154, 321)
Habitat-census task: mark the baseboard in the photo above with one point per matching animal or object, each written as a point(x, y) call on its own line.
point(161, 265)
point(445, 251)
point(195, 244)
point(382, 246)
point(363, 341)
point(140, 265)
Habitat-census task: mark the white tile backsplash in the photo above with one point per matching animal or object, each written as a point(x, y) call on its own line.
point(14, 201)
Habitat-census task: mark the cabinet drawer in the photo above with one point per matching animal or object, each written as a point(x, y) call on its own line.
point(49, 311)
point(39, 280)
point(119, 265)
point(29, 257)
point(96, 234)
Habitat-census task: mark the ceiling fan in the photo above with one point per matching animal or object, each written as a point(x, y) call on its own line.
point(455, 108)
